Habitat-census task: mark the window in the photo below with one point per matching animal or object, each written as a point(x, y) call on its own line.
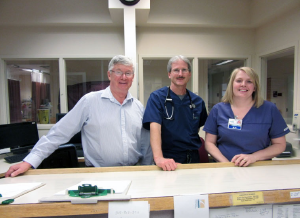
point(156, 76)
point(84, 76)
point(219, 72)
point(33, 90)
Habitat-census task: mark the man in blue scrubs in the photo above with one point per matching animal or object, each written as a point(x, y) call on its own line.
point(174, 116)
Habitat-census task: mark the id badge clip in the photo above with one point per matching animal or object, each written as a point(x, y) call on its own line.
point(235, 123)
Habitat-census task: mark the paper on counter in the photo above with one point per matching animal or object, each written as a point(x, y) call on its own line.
point(131, 209)
point(12, 191)
point(191, 206)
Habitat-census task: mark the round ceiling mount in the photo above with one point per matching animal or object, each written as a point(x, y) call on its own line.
point(129, 2)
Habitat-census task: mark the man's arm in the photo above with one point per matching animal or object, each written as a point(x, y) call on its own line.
point(146, 148)
point(155, 141)
point(17, 169)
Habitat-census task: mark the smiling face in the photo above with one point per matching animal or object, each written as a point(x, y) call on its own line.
point(120, 84)
point(243, 86)
point(180, 74)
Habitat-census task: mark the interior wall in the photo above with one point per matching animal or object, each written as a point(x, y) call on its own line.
point(282, 31)
point(200, 13)
point(204, 42)
point(16, 12)
point(277, 35)
point(61, 41)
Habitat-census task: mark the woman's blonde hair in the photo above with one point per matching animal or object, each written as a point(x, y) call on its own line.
point(256, 95)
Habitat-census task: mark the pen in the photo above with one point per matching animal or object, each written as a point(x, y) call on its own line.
point(8, 201)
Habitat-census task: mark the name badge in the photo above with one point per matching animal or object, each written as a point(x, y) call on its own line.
point(235, 124)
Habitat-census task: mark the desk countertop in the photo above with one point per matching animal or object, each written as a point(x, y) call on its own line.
point(4, 165)
point(275, 178)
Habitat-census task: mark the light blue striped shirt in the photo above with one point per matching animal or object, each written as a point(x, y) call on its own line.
point(112, 134)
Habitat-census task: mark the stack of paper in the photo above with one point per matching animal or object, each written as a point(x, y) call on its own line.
point(12, 191)
point(120, 188)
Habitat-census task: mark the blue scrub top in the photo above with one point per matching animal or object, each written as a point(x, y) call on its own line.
point(259, 126)
point(181, 134)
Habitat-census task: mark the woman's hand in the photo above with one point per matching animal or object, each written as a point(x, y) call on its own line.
point(243, 160)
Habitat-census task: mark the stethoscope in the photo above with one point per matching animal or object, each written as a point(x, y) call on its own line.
point(169, 99)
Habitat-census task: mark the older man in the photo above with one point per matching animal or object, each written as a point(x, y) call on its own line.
point(110, 122)
point(174, 116)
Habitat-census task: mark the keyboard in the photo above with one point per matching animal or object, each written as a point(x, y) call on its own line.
point(16, 158)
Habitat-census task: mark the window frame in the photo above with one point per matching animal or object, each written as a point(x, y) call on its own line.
point(4, 107)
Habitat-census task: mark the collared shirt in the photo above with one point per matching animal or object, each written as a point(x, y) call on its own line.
point(112, 133)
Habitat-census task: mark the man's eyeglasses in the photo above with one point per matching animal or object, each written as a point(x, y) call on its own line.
point(120, 73)
point(176, 71)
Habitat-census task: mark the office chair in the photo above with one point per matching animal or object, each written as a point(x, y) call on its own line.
point(203, 153)
point(64, 157)
point(76, 139)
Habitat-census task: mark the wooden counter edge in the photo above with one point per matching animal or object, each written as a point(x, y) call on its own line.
point(149, 167)
point(156, 204)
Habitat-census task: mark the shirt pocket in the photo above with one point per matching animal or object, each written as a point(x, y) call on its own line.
point(195, 120)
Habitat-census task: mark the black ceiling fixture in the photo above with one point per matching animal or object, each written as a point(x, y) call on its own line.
point(129, 2)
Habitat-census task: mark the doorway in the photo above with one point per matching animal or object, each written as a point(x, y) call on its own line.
point(278, 71)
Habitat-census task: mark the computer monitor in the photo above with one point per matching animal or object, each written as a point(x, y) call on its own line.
point(18, 137)
point(76, 139)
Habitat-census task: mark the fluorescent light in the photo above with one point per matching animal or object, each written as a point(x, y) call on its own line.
point(32, 70)
point(224, 62)
point(29, 70)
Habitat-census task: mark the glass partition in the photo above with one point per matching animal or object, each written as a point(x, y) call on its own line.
point(84, 76)
point(219, 71)
point(156, 76)
point(33, 90)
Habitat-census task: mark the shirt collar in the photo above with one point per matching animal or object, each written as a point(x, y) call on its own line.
point(107, 94)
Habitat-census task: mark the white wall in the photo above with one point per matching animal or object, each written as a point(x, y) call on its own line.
point(194, 40)
point(56, 41)
point(279, 33)
point(200, 13)
point(58, 12)
point(282, 33)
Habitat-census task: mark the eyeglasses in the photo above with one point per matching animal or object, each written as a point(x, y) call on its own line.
point(176, 71)
point(120, 73)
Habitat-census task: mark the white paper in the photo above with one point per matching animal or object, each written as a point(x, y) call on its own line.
point(295, 194)
point(119, 186)
point(12, 191)
point(283, 211)
point(4, 150)
point(130, 209)
point(191, 206)
point(256, 211)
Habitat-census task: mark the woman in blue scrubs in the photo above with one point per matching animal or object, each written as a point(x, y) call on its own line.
point(244, 128)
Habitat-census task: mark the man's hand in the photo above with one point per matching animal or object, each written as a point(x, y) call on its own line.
point(166, 164)
point(17, 169)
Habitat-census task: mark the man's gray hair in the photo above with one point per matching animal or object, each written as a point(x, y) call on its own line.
point(177, 58)
point(120, 59)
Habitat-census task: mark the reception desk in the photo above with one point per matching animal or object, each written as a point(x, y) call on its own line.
point(276, 180)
